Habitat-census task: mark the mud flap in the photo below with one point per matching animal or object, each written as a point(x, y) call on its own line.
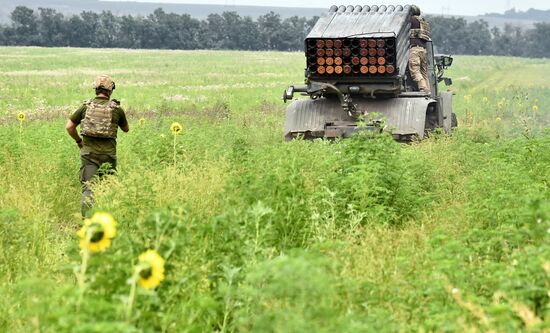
point(403, 116)
point(446, 109)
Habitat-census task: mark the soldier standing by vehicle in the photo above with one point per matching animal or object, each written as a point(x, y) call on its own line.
point(418, 63)
point(99, 119)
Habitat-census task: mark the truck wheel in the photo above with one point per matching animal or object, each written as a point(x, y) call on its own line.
point(454, 120)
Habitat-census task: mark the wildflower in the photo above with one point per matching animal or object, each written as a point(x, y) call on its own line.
point(485, 99)
point(455, 291)
point(150, 269)
point(97, 233)
point(498, 119)
point(141, 121)
point(535, 108)
point(176, 128)
point(21, 116)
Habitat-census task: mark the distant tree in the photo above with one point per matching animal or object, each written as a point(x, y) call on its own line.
point(230, 31)
point(294, 31)
point(129, 33)
point(83, 30)
point(234, 31)
point(249, 38)
point(106, 31)
point(449, 34)
point(173, 31)
point(212, 33)
point(3, 39)
point(479, 38)
point(539, 41)
point(51, 28)
point(24, 26)
point(270, 26)
point(510, 41)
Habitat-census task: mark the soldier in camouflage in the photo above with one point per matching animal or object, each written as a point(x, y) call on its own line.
point(99, 120)
point(418, 62)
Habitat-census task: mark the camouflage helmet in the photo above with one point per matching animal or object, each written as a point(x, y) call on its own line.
point(104, 82)
point(415, 10)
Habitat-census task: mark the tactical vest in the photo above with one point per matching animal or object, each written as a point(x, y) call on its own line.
point(424, 31)
point(97, 122)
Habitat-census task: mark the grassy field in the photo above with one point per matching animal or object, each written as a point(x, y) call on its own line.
point(451, 234)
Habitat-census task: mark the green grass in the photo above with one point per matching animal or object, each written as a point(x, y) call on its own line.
point(450, 234)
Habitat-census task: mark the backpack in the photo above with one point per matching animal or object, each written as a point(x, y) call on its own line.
point(424, 31)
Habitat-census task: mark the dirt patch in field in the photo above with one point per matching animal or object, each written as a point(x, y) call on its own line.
point(69, 72)
point(218, 112)
point(232, 86)
point(40, 114)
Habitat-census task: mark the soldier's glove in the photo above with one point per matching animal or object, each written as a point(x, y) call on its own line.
point(116, 101)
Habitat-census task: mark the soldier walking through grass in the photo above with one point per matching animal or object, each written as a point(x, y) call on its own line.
point(418, 60)
point(99, 120)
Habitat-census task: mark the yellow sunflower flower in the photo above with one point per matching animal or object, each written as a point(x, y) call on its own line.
point(176, 128)
point(535, 108)
point(150, 269)
point(141, 121)
point(21, 116)
point(97, 233)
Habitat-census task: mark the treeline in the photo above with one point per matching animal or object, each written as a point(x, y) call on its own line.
point(161, 30)
point(457, 36)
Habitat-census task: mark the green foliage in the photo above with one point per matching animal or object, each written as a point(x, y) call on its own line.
point(358, 235)
point(373, 179)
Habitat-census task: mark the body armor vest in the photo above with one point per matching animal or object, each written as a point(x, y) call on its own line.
point(97, 122)
point(424, 31)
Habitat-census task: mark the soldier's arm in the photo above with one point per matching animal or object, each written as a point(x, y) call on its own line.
point(72, 123)
point(71, 129)
point(123, 122)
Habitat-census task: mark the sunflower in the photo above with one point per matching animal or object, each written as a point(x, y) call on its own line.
point(150, 269)
point(21, 116)
point(97, 233)
point(176, 128)
point(141, 121)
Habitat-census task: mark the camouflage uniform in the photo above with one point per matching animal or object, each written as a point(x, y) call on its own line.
point(99, 120)
point(418, 67)
point(418, 60)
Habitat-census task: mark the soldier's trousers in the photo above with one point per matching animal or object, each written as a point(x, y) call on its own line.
point(418, 67)
point(93, 166)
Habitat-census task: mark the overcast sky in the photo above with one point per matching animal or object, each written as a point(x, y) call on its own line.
point(462, 7)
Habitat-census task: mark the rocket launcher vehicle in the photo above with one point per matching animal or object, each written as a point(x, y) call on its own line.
point(357, 56)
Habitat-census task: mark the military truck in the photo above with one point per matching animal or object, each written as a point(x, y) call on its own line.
point(357, 73)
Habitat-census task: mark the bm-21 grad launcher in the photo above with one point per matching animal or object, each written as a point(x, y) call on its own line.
point(356, 69)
